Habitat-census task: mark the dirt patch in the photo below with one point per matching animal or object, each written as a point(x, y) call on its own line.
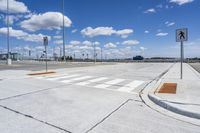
point(40, 73)
point(168, 88)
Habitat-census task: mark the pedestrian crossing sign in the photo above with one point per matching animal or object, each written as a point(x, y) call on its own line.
point(181, 35)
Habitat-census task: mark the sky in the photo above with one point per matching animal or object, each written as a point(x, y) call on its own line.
point(121, 28)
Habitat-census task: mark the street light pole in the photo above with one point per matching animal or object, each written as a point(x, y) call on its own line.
point(9, 61)
point(101, 55)
point(63, 31)
point(94, 52)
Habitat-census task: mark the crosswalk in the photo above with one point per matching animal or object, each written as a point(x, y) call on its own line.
point(100, 82)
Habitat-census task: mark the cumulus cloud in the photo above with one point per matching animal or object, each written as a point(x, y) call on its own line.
point(162, 34)
point(58, 42)
point(21, 35)
point(105, 31)
point(48, 20)
point(151, 10)
point(124, 33)
point(146, 31)
point(131, 42)
point(75, 42)
point(181, 2)
point(14, 6)
point(90, 32)
point(57, 37)
point(87, 43)
point(12, 19)
point(110, 45)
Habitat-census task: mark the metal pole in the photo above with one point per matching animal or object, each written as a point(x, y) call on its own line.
point(94, 52)
point(181, 59)
point(63, 32)
point(101, 56)
point(8, 35)
point(46, 56)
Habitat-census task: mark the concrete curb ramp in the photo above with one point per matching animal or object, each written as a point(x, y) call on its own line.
point(157, 100)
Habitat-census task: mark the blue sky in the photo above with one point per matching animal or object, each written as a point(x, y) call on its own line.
point(122, 28)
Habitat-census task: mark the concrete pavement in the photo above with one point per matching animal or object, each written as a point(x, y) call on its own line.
point(186, 100)
point(99, 99)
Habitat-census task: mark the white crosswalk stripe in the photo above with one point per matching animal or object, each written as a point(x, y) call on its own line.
point(131, 86)
point(97, 82)
point(109, 83)
point(92, 81)
point(98, 79)
point(76, 79)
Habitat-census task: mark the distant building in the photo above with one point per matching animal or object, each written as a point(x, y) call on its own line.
point(14, 56)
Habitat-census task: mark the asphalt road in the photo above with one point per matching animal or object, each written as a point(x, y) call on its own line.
point(196, 66)
point(40, 65)
point(96, 99)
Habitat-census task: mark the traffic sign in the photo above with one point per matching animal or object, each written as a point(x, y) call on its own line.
point(181, 35)
point(45, 39)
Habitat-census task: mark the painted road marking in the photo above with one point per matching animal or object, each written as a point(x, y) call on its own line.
point(76, 79)
point(63, 77)
point(131, 86)
point(98, 79)
point(92, 81)
point(109, 83)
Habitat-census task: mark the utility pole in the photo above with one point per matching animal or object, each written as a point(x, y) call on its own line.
point(101, 55)
point(94, 52)
point(9, 61)
point(60, 52)
point(64, 58)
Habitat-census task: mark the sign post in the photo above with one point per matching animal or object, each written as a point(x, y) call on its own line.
point(182, 36)
point(45, 39)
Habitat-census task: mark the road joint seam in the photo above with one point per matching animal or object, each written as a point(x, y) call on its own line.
point(33, 92)
point(31, 117)
point(101, 121)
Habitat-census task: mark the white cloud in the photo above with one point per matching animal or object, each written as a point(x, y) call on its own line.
point(162, 34)
point(58, 42)
point(124, 33)
point(146, 31)
point(74, 30)
point(168, 24)
point(131, 42)
point(90, 32)
point(96, 43)
point(110, 45)
point(12, 19)
point(75, 42)
point(14, 6)
point(143, 48)
point(181, 2)
point(87, 43)
point(86, 48)
point(105, 31)
point(57, 37)
point(48, 20)
point(21, 35)
point(151, 10)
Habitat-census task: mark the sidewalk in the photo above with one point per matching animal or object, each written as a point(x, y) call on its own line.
point(186, 101)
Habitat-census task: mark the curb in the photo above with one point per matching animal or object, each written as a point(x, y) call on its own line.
point(157, 100)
